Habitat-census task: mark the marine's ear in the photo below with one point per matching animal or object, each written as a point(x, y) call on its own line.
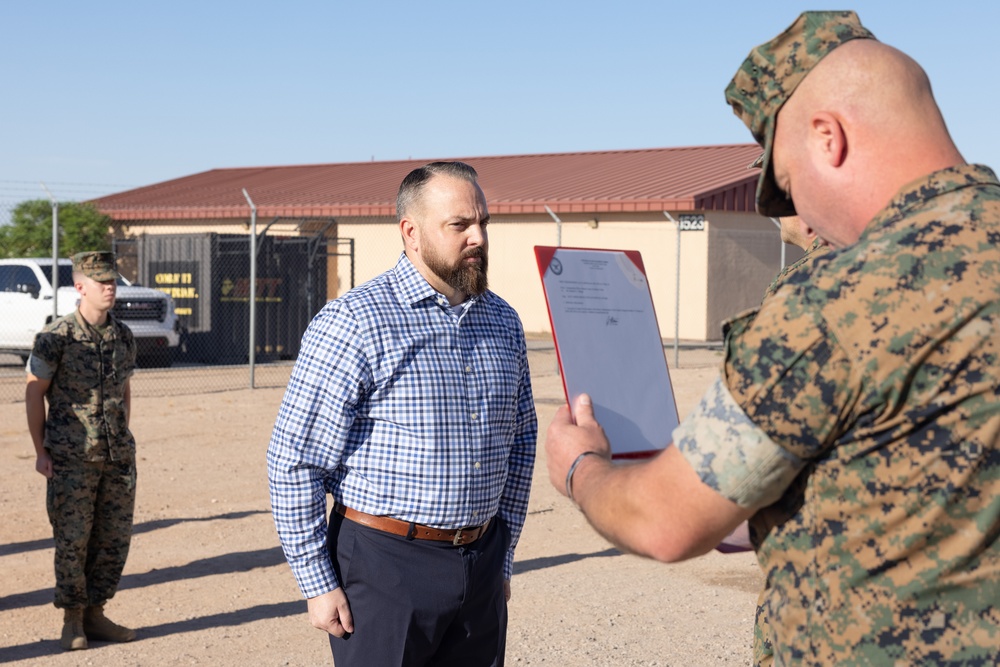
point(828, 138)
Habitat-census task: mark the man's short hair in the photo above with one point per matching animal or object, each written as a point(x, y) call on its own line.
point(412, 186)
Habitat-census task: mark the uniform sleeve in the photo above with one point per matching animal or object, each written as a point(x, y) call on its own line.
point(46, 354)
point(784, 390)
point(330, 376)
point(39, 368)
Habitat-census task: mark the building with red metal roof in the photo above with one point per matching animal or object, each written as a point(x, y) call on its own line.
point(689, 210)
point(679, 179)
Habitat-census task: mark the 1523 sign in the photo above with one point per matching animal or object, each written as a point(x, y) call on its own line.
point(691, 222)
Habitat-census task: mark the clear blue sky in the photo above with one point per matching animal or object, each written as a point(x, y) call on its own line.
point(103, 96)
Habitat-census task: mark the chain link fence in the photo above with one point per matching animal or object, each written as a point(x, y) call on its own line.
point(217, 308)
point(188, 298)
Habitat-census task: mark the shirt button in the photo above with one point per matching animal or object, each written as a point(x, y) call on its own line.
point(474, 416)
point(475, 512)
point(477, 466)
point(468, 369)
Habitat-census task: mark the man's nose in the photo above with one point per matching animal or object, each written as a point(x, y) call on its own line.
point(477, 235)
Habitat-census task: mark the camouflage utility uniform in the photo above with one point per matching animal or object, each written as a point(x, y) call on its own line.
point(815, 250)
point(91, 494)
point(763, 650)
point(860, 407)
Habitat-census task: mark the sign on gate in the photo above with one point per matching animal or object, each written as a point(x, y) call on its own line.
point(180, 281)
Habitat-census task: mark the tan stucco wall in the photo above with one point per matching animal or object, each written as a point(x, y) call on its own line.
point(514, 271)
point(377, 246)
point(724, 268)
point(289, 228)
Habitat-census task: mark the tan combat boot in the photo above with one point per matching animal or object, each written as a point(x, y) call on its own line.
point(98, 626)
point(73, 637)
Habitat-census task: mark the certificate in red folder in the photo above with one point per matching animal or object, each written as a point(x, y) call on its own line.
point(608, 344)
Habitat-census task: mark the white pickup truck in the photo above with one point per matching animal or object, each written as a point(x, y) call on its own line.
point(26, 306)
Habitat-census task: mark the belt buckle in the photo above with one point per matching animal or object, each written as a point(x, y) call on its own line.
point(459, 539)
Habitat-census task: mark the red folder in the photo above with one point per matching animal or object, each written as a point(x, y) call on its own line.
point(608, 344)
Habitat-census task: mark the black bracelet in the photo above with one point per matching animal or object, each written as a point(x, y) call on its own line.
point(572, 469)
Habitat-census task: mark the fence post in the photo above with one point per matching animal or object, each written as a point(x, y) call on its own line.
point(558, 225)
point(253, 284)
point(677, 294)
point(558, 245)
point(55, 255)
point(777, 224)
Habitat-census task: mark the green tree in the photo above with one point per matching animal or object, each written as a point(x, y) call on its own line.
point(29, 234)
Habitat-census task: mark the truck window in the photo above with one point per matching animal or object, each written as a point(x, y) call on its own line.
point(65, 275)
point(6, 273)
point(24, 280)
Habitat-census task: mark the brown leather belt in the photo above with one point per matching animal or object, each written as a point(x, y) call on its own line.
point(412, 531)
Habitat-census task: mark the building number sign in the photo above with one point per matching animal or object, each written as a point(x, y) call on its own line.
point(692, 222)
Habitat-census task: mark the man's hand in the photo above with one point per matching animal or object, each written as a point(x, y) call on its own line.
point(331, 612)
point(506, 590)
point(564, 440)
point(43, 464)
point(658, 507)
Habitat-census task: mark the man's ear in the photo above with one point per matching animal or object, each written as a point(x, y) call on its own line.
point(408, 230)
point(828, 138)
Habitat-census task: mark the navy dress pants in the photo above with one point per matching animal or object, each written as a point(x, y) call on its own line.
point(418, 602)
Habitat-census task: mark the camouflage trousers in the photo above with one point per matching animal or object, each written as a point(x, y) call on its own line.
point(90, 506)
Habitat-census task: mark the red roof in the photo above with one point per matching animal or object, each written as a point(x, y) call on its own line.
point(675, 179)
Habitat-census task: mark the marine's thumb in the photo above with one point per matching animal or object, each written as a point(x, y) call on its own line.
point(583, 412)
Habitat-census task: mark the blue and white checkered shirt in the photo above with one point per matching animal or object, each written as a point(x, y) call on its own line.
point(400, 406)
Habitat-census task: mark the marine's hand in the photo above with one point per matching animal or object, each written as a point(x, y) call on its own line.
point(506, 590)
point(331, 612)
point(43, 464)
point(564, 440)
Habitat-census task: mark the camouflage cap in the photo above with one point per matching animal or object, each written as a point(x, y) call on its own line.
point(769, 76)
point(99, 265)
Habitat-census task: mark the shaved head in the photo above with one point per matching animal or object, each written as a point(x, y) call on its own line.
point(861, 125)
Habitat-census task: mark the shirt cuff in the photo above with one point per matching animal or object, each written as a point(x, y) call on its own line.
point(731, 454)
point(315, 578)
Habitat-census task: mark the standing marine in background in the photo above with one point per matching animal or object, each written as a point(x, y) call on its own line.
point(81, 364)
point(795, 231)
point(855, 421)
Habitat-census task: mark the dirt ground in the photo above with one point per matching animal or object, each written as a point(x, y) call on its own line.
point(206, 583)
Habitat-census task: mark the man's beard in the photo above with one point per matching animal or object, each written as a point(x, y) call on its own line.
point(466, 278)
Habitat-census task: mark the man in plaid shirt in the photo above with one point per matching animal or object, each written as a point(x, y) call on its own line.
point(410, 403)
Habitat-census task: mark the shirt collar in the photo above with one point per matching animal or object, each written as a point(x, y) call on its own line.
point(414, 288)
point(90, 330)
point(916, 194)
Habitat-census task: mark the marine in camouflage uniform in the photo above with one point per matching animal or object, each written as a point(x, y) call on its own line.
point(869, 386)
point(89, 452)
point(856, 421)
point(881, 409)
